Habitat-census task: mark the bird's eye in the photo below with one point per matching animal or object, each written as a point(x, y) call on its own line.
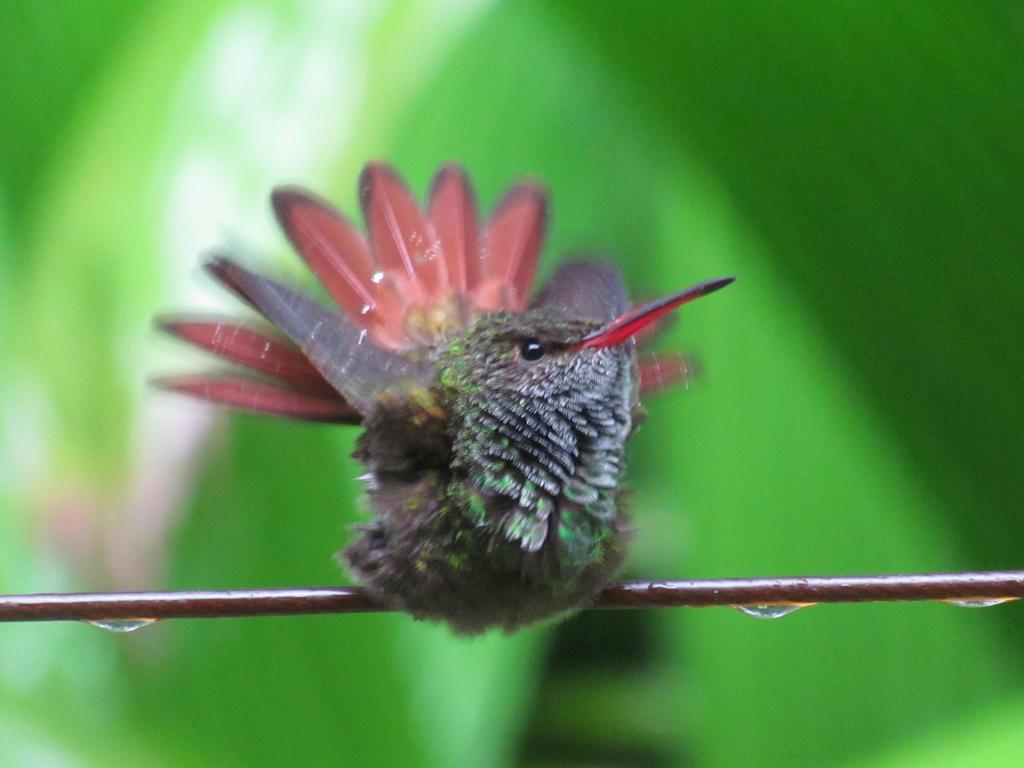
point(531, 350)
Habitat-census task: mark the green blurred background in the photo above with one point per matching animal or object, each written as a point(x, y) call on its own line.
point(859, 166)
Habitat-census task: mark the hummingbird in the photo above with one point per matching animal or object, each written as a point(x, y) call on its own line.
point(494, 422)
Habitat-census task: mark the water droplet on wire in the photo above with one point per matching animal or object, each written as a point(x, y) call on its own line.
point(980, 602)
point(121, 625)
point(776, 611)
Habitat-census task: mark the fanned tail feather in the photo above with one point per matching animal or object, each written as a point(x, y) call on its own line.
point(341, 259)
point(254, 349)
point(255, 395)
point(401, 236)
point(297, 392)
point(515, 235)
point(662, 370)
point(452, 210)
point(420, 276)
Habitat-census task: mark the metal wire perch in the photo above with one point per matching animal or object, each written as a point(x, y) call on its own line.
point(758, 595)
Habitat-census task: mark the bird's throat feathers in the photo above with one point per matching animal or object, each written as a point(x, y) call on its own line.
point(537, 444)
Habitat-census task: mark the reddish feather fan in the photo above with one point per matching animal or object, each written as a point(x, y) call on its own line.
point(262, 352)
point(453, 212)
point(661, 371)
point(418, 278)
point(256, 395)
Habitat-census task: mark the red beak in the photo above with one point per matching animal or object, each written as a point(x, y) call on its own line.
point(632, 322)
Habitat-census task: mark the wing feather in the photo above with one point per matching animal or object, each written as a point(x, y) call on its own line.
point(340, 351)
point(593, 290)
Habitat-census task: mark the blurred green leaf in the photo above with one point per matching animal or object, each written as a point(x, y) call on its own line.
point(811, 488)
point(51, 54)
point(993, 737)
point(92, 256)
